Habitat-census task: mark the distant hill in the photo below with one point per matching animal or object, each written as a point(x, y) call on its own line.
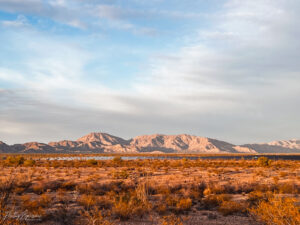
point(290, 146)
point(156, 143)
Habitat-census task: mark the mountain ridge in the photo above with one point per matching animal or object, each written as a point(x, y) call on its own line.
point(98, 142)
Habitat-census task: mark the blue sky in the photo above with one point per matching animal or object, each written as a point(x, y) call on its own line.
point(224, 69)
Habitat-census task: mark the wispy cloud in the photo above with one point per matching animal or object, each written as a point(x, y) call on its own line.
point(78, 14)
point(21, 21)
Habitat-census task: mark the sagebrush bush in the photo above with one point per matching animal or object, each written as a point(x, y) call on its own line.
point(278, 211)
point(29, 162)
point(171, 220)
point(184, 204)
point(255, 197)
point(131, 204)
point(33, 206)
point(6, 209)
point(126, 206)
point(94, 216)
point(231, 207)
point(263, 161)
point(213, 201)
point(87, 201)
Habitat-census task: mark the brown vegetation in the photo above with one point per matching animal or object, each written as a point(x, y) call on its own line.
point(38, 191)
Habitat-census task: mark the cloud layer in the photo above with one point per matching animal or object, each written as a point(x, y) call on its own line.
point(71, 67)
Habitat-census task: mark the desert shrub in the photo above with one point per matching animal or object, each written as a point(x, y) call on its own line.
point(184, 204)
point(231, 207)
point(245, 187)
point(56, 164)
point(289, 188)
point(117, 160)
point(142, 192)
point(6, 212)
point(94, 216)
point(122, 209)
point(84, 188)
point(33, 206)
point(69, 185)
point(263, 161)
point(53, 185)
point(100, 189)
point(265, 187)
point(171, 220)
point(29, 162)
point(88, 201)
point(62, 196)
point(126, 206)
point(213, 201)
point(104, 202)
point(64, 214)
point(36, 206)
point(175, 188)
point(19, 190)
point(275, 179)
point(171, 200)
point(194, 193)
point(214, 188)
point(129, 204)
point(283, 174)
point(39, 187)
point(20, 160)
point(45, 200)
point(11, 160)
point(207, 191)
point(162, 189)
point(255, 197)
point(91, 162)
point(278, 211)
point(120, 174)
point(161, 208)
point(199, 188)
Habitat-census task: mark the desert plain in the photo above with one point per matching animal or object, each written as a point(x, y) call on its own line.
point(43, 189)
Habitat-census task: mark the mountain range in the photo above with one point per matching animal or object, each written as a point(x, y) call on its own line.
point(156, 143)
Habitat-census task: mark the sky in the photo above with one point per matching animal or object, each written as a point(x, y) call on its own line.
point(225, 69)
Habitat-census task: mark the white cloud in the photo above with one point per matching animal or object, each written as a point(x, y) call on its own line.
point(237, 80)
point(245, 65)
point(53, 71)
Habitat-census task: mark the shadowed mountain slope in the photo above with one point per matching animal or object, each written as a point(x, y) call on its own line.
point(4, 147)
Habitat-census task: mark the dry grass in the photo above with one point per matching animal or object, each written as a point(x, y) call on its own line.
point(158, 191)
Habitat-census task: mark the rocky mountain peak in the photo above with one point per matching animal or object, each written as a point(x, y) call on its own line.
point(104, 138)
